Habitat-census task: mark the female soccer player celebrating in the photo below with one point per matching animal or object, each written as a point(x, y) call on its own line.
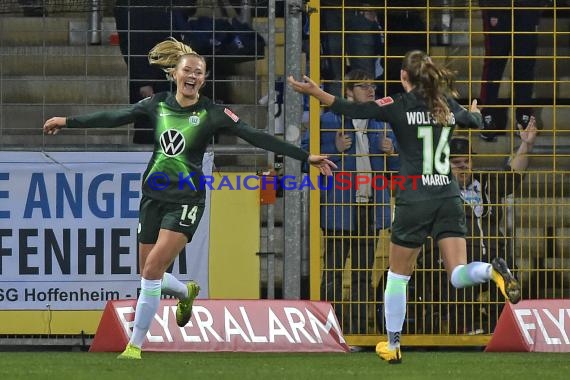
point(428, 202)
point(170, 209)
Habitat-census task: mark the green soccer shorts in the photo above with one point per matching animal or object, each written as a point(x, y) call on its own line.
point(155, 214)
point(440, 218)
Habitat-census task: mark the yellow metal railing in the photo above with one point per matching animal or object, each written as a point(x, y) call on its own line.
point(536, 220)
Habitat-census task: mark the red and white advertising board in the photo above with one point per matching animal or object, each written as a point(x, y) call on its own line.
point(533, 326)
point(227, 325)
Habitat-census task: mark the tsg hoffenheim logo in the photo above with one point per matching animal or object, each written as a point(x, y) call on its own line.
point(172, 142)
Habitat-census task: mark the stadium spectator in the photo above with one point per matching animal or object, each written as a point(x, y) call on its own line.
point(363, 42)
point(499, 20)
point(352, 218)
point(406, 30)
point(365, 45)
point(185, 123)
point(427, 201)
point(141, 24)
point(33, 8)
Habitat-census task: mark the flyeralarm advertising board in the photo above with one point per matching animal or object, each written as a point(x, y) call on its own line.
point(227, 325)
point(533, 326)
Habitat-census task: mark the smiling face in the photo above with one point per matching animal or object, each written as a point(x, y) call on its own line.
point(189, 76)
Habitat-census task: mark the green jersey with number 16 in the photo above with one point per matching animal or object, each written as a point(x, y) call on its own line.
point(425, 171)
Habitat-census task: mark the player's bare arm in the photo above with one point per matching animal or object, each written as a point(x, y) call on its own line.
point(309, 87)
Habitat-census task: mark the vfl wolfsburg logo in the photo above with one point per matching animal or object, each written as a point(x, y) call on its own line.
point(172, 142)
point(194, 120)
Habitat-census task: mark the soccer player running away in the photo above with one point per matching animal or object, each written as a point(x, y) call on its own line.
point(170, 209)
point(428, 202)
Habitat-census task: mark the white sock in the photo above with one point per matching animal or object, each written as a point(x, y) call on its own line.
point(474, 273)
point(147, 305)
point(395, 306)
point(171, 286)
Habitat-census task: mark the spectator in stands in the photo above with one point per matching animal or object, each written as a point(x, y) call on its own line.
point(33, 8)
point(170, 211)
point(483, 196)
point(363, 42)
point(141, 24)
point(365, 46)
point(352, 218)
point(406, 16)
point(499, 20)
point(366, 51)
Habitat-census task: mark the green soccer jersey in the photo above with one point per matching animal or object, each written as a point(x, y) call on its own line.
point(174, 173)
point(425, 171)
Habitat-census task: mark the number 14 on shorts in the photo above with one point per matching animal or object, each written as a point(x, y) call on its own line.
point(188, 215)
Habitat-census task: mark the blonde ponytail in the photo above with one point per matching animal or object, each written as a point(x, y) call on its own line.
point(167, 54)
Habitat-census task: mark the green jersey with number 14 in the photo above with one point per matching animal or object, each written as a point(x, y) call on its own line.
point(425, 171)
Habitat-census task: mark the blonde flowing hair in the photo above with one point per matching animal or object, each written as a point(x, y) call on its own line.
point(432, 81)
point(167, 54)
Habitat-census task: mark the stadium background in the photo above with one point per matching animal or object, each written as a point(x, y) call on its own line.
point(57, 64)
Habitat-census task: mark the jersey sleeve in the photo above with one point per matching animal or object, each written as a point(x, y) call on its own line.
point(110, 119)
point(381, 109)
point(464, 117)
point(231, 124)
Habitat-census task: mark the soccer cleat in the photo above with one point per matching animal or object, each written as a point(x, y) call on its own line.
point(131, 352)
point(385, 353)
point(184, 307)
point(505, 280)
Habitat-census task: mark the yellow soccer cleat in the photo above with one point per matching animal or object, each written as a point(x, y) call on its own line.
point(385, 353)
point(131, 352)
point(505, 280)
point(184, 307)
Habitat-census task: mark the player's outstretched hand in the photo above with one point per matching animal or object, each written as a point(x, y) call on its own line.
point(307, 86)
point(53, 125)
point(322, 163)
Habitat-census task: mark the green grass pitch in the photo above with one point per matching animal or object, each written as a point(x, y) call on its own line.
point(440, 365)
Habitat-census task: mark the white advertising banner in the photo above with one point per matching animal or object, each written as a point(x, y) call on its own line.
point(68, 230)
point(227, 325)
